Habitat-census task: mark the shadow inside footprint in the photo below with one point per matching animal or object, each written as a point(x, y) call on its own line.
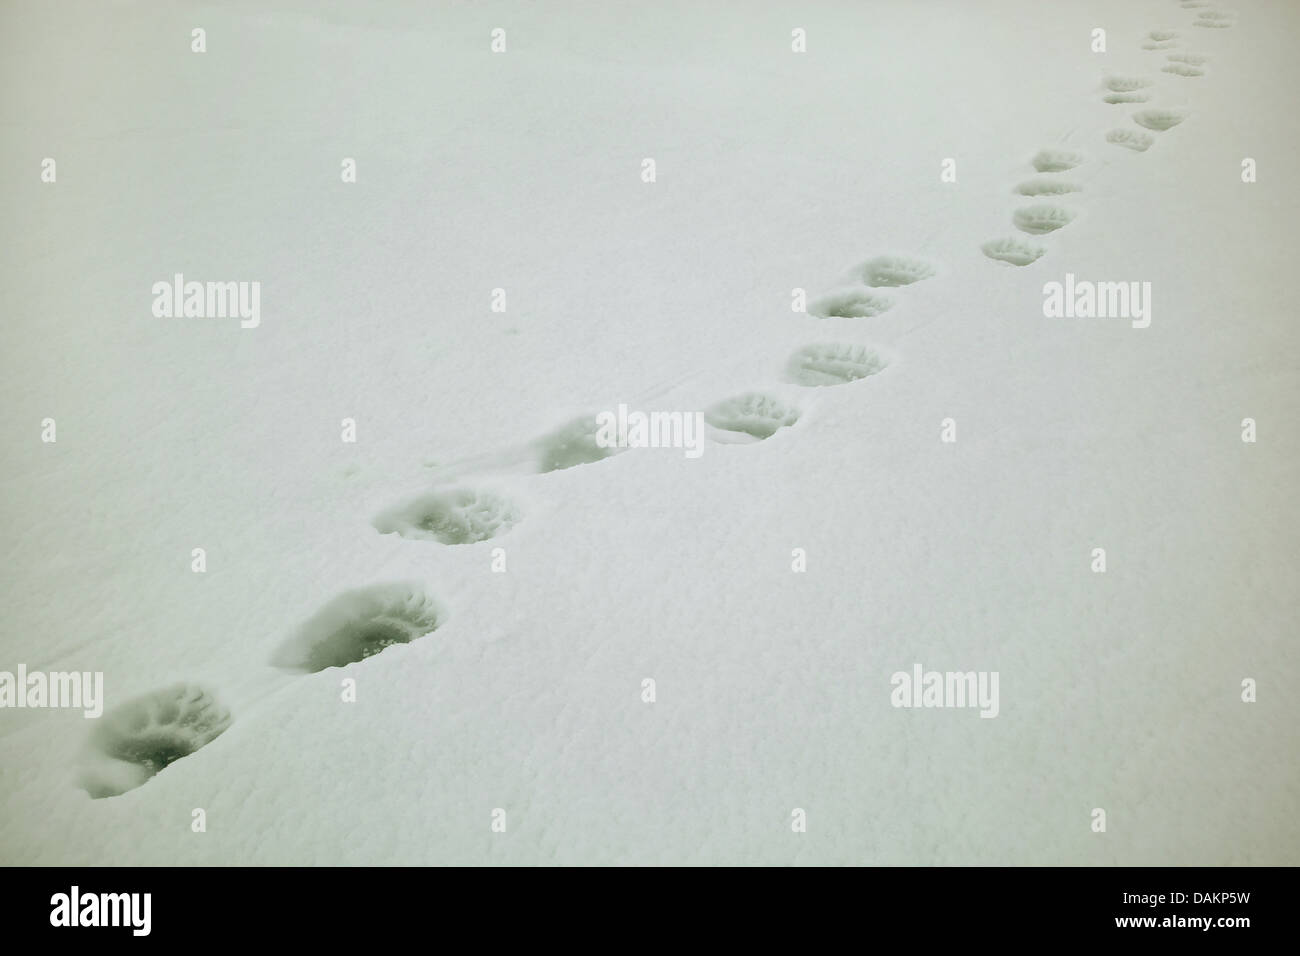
point(1182, 69)
point(752, 414)
point(458, 516)
point(359, 624)
point(834, 364)
point(1159, 120)
point(1042, 218)
point(1132, 139)
point(1213, 18)
point(1018, 252)
point(1056, 160)
point(1047, 187)
point(895, 271)
point(572, 444)
point(1115, 98)
point(1126, 84)
point(850, 304)
point(134, 741)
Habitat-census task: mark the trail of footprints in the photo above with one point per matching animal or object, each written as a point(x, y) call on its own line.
point(1042, 218)
point(138, 739)
point(1038, 218)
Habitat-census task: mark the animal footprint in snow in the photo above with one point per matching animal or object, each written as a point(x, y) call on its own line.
point(1159, 120)
point(1161, 36)
point(1182, 69)
point(1152, 45)
point(459, 516)
point(1193, 59)
point(895, 271)
point(1126, 84)
point(572, 444)
point(1131, 139)
point(1056, 160)
point(834, 364)
point(1018, 252)
point(1114, 98)
point(136, 740)
point(752, 414)
point(359, 624)
point(1042, 218)
point(850, 304)
point(1213, 18)
point(1046, 187)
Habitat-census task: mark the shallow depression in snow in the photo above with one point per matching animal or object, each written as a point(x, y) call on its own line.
point(359, 624)
point(143, 736)
point(458, 516)
point(834, 364)
point(752, 414)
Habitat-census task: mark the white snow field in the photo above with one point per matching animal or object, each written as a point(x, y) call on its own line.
point(521, 690)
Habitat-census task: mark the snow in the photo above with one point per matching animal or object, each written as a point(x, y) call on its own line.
point(775, 171)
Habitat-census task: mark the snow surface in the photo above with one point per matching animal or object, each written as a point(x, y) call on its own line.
point(775, 170)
